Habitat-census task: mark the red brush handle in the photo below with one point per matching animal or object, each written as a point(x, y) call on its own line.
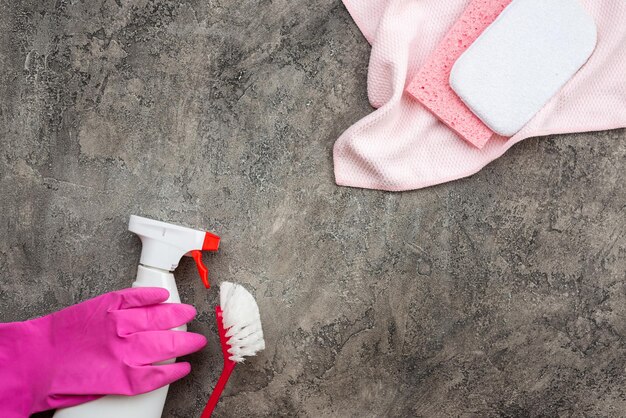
point(229, 366)
point(217, 391)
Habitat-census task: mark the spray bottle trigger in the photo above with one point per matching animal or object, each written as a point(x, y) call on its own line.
point(202, 270)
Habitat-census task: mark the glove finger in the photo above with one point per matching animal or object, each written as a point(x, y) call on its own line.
point(140, 296)
point(142, 379)
point(155, 346)
point(152, 318)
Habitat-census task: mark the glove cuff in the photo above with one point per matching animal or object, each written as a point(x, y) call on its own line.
point(21, 363)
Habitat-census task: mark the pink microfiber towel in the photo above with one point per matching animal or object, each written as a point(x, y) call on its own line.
point(431, 84)
point(402, 146)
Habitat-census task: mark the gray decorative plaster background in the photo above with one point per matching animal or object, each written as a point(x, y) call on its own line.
point(499, 295)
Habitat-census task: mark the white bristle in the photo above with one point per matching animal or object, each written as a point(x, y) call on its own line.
point(241, 320)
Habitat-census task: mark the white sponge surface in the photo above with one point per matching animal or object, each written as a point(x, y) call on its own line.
point(523, 59)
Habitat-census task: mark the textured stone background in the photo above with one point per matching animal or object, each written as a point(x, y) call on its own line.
point(499, 295)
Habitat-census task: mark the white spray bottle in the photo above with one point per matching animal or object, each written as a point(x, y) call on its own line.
point(163, 245)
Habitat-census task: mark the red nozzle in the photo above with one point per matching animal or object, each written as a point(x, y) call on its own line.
point(211, 242)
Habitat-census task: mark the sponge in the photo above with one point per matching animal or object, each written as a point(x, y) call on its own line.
point(523, 59)
point(431, 83)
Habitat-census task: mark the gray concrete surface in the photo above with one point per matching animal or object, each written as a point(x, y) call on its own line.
point(499, 295)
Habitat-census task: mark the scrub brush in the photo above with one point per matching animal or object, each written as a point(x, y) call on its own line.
point(241, 335)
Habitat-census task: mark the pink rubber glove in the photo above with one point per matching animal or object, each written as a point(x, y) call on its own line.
point(106, 345)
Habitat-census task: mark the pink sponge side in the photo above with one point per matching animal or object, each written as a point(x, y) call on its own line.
point(431, 84)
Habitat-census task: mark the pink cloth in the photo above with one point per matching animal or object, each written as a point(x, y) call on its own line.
point(402, 146)
point(431, 85)
point(105, 345)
